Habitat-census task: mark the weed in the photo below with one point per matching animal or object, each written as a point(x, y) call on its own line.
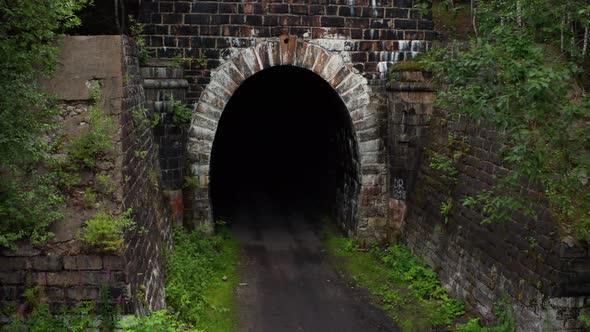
point(26, 212)
point(503, 321)
point(96, 140)
point(77, 319)
point(407, 289)
point(585, 319)
point(445, 209)
point(195, 289)
point(108, 313)
point(89, 198)
point(181, 113)
point(191, 182)
point(105, 232)
point(142, 120)
point(105, 185)
point(141, 154)
point(161, 321)
point(136, 31)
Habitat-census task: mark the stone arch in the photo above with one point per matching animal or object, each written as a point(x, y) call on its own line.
point(351, 86)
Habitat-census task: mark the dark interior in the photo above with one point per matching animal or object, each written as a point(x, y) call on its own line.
point(106, 17)
point(284, 145)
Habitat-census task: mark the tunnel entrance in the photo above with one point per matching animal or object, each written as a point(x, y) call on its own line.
point(284, 145)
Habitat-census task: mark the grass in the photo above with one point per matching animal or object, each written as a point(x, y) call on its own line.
point(201, 279)
point(221, 316)
point(400, 283)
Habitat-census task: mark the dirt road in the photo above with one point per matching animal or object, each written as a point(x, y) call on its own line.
point(288, 283)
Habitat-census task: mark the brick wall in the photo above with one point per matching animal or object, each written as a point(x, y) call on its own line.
point(525, 261)
point(149, 241)
point(371, 34)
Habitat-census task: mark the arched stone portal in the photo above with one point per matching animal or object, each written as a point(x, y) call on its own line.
point(349, 85)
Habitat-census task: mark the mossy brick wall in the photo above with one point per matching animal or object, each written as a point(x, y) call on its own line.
point(371, 34)
point(67, 270)
point(525, 261)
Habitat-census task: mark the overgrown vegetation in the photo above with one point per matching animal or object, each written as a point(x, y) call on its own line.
point(408, 290)
point(96, 139)
point(181, 113)
point(196, 290)
point(34, 315)
point(28, 201)
point(585, 319)
point(105, 233)
point(201, 277)
point(503, 321)
point(136, 32)
point(519, 75)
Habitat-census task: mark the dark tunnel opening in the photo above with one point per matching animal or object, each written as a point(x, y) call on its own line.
point(284, 145)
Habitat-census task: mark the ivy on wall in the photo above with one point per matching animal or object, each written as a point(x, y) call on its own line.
point(520, 75)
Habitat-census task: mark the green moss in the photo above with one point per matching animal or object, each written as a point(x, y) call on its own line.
point(409, 65)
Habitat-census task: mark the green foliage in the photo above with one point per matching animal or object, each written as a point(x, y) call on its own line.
point(105, 232)
point(136, 32)
point(585, 319)
point(108, 313)
point(408, 290)
point(105, 185)
point(96, 139)
point(39, 318)
point(26, 52)
point(28, 204)
point(181, 113)
point(89, 198)
point(160, 321)
point(191, 182)
point(503, 321)
point(507, 79)
point(141, 154)
point(141, 118)
point(422, 284)
point(26, 212)
point(195, 289)
point(445, 209)
point(445, 164)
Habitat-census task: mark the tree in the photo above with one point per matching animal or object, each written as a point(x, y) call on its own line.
point(27, 51)
point(519, 76)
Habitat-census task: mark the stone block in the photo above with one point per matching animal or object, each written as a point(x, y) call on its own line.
point(47, 263)
point(82, 262)
point(82, 293)
point(13, 263)
point(12, 278)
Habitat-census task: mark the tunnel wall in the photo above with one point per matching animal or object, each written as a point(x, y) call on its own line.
point(365, 107)
point(544, 277)
point(68, 270)
point(370, 34)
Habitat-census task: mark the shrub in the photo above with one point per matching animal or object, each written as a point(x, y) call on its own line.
point(27, 212)
point(105, 232)
point(181, 113)
point(96, 140)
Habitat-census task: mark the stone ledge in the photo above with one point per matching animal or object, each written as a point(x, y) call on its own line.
point(165, 83)
point(411, 86)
